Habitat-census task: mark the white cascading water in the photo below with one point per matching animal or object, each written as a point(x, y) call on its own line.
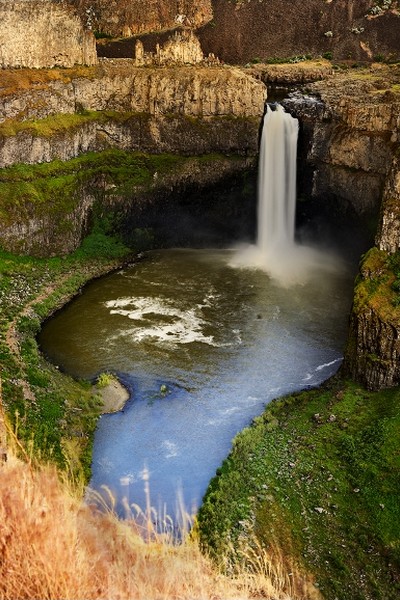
point(277, 183)
point(276, 251)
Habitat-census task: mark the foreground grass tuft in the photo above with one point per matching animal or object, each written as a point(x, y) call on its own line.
point(53, 547)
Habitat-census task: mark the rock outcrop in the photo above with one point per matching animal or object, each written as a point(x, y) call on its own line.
point(43, 33)
point(388, 236)
point(372, 354)
point(373, 348)
point(117, 105)
point(241, 31)
point(351, 138)
point(120, 86)
point(249, 30)
point(181, 48)
point(290, 74)
point(350, 129)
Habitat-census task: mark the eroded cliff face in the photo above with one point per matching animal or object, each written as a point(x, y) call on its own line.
point(373, 349)
point(349, 170)
point(372, 354)
point(352, 134)
point(247, 30)
point(43, 33)
point(120, 86)
point(127, 17)
point(388, 235)
point(241, 31)
point(67, 124)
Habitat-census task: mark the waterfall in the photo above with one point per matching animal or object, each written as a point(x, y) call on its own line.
point(277, 184)
point(275, 251)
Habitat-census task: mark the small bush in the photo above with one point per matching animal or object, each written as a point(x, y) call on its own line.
point(104, 379)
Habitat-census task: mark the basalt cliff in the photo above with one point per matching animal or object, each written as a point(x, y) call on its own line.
point(62, 124)
point(349, 169)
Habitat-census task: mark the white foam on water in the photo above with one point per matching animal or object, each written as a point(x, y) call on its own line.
point(159, 320)
point(307, 377)
point(329, 364)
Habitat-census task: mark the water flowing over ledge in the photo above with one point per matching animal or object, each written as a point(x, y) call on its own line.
point(276, 250)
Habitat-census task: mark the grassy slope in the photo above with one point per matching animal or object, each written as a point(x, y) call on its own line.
point(49, 411)
point(54, 185)
point(53, 547)
point(318, 475)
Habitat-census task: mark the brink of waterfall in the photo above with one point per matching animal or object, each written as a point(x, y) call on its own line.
point(276, 250)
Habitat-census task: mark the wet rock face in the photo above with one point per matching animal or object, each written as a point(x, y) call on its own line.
point(42, 33)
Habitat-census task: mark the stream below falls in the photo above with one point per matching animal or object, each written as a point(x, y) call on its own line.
point(203, 347)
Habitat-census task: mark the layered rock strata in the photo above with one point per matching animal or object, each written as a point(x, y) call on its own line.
point(373, 350)
point(255, 30)
point(59, 117)
point(120, 86)
point(43, 33)
point(352, 127)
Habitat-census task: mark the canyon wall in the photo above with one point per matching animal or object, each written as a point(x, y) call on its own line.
point(349, 131)
point(248, 30)
point(128, 17)
point(67, 139)
point(244, 31)
point(373, 349)
point(351, 140)
point(43, 33)
point(122, 87)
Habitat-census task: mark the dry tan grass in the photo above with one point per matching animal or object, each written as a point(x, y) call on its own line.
point(54, 548)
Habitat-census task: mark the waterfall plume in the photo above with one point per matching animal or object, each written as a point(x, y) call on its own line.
point(276, 250)
point(277, 183)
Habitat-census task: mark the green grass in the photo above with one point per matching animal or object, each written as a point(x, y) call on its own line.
point(51, 194)
point(58, 423)
point(56, 186)
point(54, 191)
point(53, 124)
point(317, 474)
point(378, 285)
